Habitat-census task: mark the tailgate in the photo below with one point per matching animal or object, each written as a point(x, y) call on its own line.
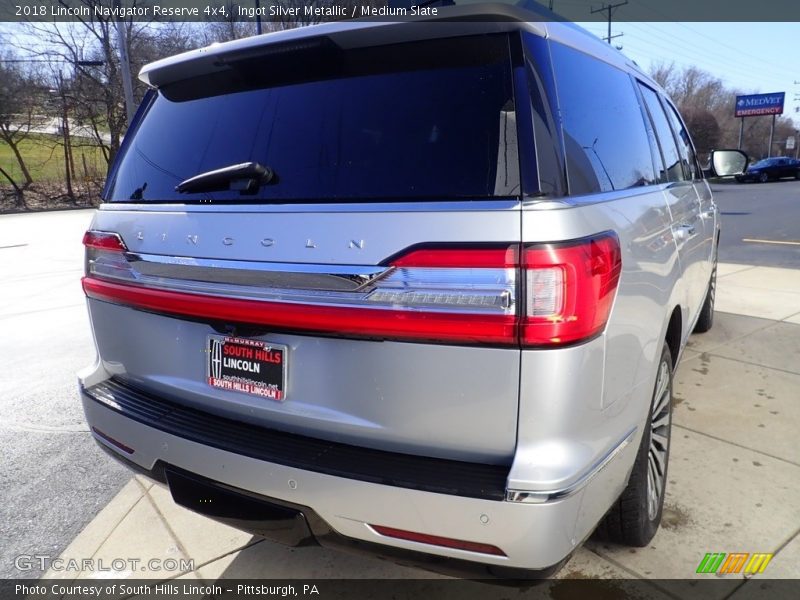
point(452, 400)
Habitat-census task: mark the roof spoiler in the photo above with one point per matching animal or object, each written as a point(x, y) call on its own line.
point(451, 21)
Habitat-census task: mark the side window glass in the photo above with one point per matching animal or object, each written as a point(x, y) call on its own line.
point(605, 140)
point(672, 169)
point(684, 141)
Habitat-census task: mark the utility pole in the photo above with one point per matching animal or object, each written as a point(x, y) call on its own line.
point(69, 165)
point(771, 137)
point(608, 8)
point(258, 17)
point(125, 64)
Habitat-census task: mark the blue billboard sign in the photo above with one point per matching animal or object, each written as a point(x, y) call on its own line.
point(755, 105)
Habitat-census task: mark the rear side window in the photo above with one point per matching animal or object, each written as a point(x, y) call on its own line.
point(671, 169)
point(684, 142)
point(605, 139)
point(431, 120)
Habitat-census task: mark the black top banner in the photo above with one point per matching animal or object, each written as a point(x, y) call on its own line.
point(306, 12)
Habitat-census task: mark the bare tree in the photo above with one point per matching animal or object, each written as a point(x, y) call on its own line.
point(705, 131)
point(708, 106)
point(18, 111)
point(227, 25)
point(88, 53)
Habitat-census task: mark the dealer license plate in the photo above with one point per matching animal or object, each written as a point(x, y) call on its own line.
point(248, 366)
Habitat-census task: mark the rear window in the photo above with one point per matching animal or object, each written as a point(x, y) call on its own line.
point(430, 119)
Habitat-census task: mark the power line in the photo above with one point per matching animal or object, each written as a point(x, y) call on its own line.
point(735, 61)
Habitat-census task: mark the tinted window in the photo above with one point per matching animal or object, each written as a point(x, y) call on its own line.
point(684, 142)
point(540, 86)
point(424, 120)
point(666, 141)
point(604, 134)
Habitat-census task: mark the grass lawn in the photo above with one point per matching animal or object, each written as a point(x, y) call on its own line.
point(44, 158)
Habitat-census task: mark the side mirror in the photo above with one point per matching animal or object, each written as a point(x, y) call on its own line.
point(725, 163)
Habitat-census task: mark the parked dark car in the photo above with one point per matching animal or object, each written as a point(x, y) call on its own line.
point(771, 169)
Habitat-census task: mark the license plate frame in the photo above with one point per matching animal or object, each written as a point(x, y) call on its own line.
point(248, 366)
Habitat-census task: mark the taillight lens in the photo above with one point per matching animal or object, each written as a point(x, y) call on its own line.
point(570, 290)
point(103, 240)
point(505, 295)
point(105, 254)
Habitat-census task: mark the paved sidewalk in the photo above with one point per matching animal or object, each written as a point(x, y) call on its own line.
point(734, 479)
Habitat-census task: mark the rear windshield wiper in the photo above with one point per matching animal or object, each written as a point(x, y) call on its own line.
point(246, 177)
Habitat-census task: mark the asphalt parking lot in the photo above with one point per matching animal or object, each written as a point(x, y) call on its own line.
point(733, 484)
point(761, 223)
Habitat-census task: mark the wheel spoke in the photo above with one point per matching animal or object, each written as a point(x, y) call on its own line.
point(660, 442)
point(661, 405)
point(652, 496)
point(661, 421)
point(662, 384)
point(659, 461)
point(659, 485)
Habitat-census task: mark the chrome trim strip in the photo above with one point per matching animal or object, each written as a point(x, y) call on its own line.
point(540, 497)
point(308, 284)
point(296, 276)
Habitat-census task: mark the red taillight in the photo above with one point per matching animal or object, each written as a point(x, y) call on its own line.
point(449, 258)
point(504, 295)
point(435, 540)
point(570, 289)
point(103, 240)
point(356, 322)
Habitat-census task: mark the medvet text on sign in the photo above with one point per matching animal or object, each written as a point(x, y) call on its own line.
point(759, 104)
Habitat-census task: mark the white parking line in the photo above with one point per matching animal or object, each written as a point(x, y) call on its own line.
point(754, 241)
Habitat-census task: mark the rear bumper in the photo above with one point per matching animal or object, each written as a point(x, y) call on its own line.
point(338, 510)
point(296, 525)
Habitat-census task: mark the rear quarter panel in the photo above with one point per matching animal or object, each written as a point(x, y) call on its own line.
point(586, 398)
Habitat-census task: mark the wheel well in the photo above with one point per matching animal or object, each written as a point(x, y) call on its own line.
point(674, 334)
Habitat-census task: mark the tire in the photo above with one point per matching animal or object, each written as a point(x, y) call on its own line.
point(706, 319)
point(797, 174)
point(634, 518)
point(763, 178)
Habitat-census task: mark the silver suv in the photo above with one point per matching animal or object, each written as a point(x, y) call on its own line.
point(415, 289)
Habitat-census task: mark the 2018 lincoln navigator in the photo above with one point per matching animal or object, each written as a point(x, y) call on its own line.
point(414, 288)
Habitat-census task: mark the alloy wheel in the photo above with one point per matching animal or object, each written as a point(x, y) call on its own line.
point(659, 441)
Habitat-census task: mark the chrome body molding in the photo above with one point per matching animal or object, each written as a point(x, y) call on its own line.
point(540, 497)
point(298, 276)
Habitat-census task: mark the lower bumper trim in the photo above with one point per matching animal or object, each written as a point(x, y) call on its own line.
point(296, 525)
point(425, 473)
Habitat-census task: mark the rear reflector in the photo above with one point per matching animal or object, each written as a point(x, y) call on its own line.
point(112, 441)
point(435, 540)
